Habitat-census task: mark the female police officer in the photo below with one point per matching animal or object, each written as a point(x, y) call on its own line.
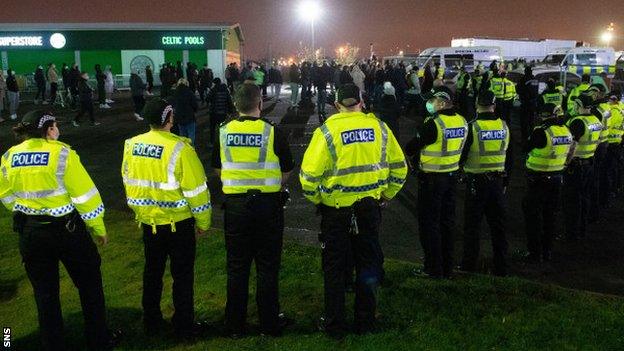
point(54, 202)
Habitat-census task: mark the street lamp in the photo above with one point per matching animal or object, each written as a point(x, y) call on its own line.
point(607, 35)
point(310, 12)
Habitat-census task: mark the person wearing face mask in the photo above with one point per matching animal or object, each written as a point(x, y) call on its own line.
point(548, 148)
point(254, 161)
point(55, 205)
point(436, 150)
point(351, 168)
point(487, 163)
point(585, 128)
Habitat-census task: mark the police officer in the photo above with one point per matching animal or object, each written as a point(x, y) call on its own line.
point(548, 148)
point(486, 160)
point(465, 95)
point(577, 91)
point(585, 128)
point(254, 161)
point(437, 149)
point(551, 95)
point(55, 205)
point(166, 188)
point(352, 165)
point(505, 92)
point(602, 110)
point(615, 128)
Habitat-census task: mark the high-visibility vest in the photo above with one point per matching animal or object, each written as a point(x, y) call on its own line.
point(616, 124)
point(258, 77)
point(164, 180)
point(350, 157)
point(552, 157)
point(443, 155)
point(509, 89)
point(588, 143)
point(497, 86)
point(605, 112)
point(553, 98)
point(248, 159)
point(45, 177)
point(576, 92)
point(489, 146)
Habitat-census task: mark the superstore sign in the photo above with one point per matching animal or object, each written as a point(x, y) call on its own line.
point(21, 41)
point(111, 40)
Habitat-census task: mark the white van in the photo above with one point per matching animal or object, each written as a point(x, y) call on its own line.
point(451, 58)
point(584, 60)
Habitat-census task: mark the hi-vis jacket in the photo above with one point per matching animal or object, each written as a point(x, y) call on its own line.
point(45, 177)
point(248, 160)
point(350, 157)
point(165, 181)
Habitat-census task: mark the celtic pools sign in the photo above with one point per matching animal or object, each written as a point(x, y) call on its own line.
point(180, 40)
point(56, 40)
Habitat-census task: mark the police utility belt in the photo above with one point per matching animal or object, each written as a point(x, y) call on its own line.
point(282, 196)
point(69, 220)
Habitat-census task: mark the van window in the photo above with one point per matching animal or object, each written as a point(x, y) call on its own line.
point(586, 59)
point(457, 60)
point(554, 59)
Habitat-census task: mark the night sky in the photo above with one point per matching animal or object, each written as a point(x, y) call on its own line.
point(274, 26)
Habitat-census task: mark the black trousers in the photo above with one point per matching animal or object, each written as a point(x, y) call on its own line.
point(139, 103)
point(44, 242)
point(436, 221)
point(53, 90)
point(504, 109)
point(577, 183)
point(527, 120)
point(85, 106)
point(337, 239)
point(598, 182)
point(40, 92)
point(215, 121)
point(101, 93)
point(613, 172)
point(254, 229)
point(540, 208)
point(179, 247)
point(484, 197)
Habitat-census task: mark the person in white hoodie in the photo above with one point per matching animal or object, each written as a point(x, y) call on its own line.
point(358, 77)
point(109, 84)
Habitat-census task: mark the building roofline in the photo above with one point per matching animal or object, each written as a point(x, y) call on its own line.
point(514, 39)
point(28, 27)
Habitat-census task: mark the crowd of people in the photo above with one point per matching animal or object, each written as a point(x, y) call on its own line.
point(571, 142)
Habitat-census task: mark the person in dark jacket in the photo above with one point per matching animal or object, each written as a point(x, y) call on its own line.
point(179, 72)
point(41, 86)
point(220, 105)
point(137, 89)
point(100, 77)
point(294, 77)
point(149, 77)
point(85, 95)
point(276, 81)
point(74, 78)
point(322, 76)
point(388, 109)
point(185, 106)
point(65, 76)
point(206, 76)
point(13, 94)
point(427, 84)
point(345, 76)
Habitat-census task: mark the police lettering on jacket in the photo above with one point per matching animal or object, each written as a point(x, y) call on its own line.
point(492, 134)
point(358, 136)
point(452, 133)
point(595, 127)
point(244, 140)
point(562, 140)
point(30, 159)
point(147, 150)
